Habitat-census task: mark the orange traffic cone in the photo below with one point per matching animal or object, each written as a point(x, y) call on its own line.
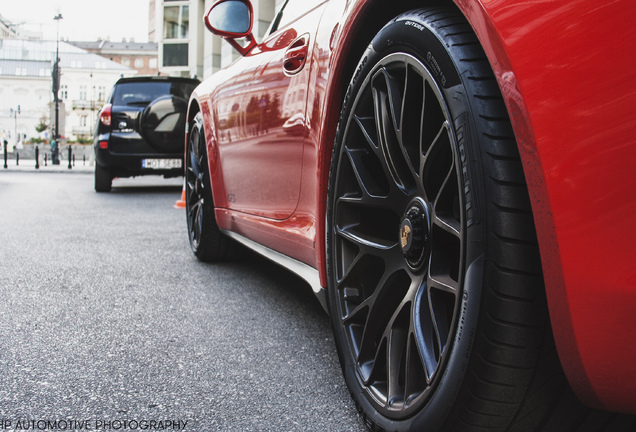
point(181, 203)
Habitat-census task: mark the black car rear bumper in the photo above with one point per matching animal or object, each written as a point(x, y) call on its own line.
point(125, 153)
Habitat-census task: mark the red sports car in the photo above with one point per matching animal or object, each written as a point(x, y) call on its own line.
point(454, 180)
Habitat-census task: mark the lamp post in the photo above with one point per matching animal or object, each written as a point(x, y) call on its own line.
point(55, 145)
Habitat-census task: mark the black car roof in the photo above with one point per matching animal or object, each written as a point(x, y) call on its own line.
point(151, 78)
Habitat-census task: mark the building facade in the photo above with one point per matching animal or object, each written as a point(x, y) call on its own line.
point(26, 98)
point(186, 47)
point(140, 56)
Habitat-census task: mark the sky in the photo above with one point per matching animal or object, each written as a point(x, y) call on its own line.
point(83, 20)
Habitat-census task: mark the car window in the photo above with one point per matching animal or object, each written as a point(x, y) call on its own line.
point(294, 9)
point(142, 93)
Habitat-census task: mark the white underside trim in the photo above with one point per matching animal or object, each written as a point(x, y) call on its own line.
point(305, 271)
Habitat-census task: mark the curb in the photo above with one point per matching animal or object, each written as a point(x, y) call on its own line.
point(28, 165)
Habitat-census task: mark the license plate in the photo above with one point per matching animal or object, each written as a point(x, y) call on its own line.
point(161, 163)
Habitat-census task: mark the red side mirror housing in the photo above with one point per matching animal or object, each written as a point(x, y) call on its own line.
point(232, 19)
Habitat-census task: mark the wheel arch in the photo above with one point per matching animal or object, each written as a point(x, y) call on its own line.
point(364, 19)
point(198, 105)
point(354, 36)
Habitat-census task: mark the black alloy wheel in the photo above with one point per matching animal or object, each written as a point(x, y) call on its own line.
point(399, 234)
point(207, 242)
point(435, 286)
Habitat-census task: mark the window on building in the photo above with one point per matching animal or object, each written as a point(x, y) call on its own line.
point(101, 93)
point(125, 62)
point(176, 22)
point(152, 63)
point(175, 54)
point(139, 63)
point(83, 93)
point(64, 91)
point(83, 121)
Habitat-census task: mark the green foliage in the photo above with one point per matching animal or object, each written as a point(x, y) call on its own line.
point(42, 126)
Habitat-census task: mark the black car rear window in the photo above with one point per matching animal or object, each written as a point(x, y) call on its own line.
point(142, 93)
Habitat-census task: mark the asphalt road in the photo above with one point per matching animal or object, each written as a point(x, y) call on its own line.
point(107, 318)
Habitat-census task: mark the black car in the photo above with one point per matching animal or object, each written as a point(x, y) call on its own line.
point(141, 129)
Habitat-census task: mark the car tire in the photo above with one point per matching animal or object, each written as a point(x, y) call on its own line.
point(435, 285)
point(103, 179)
point(207, 241)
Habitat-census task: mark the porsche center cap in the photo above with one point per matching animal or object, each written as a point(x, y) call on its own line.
point(406, 235)
point(414, 233)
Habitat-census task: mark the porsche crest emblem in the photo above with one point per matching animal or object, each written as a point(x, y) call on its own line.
point(405, 235)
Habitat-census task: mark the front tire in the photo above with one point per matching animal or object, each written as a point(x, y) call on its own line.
point(435, 283)
point(207, 242)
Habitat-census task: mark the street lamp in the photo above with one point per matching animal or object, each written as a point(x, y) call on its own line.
point(55, 149)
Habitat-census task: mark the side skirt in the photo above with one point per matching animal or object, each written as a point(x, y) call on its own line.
point(308, 273)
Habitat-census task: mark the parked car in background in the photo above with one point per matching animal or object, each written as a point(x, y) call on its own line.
point(141, 129)
point(453, 179)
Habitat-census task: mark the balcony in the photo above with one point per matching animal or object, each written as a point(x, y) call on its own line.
point(82, 131)
point(80, 104)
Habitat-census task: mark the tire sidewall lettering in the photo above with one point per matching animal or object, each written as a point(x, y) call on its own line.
point(424, 43)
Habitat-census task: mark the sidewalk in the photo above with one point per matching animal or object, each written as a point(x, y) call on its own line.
point(28, 165)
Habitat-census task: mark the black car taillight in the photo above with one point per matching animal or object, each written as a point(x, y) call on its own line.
point(104, 115)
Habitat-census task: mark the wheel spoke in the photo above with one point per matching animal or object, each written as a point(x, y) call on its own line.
point(194, 212)
point(415, 377)
point(387, 97)
point(194, 186)
point(397, 340)
point(389, 296)
point(199, 220)
point(372, 192)
point(195, 165)
point(424, 327)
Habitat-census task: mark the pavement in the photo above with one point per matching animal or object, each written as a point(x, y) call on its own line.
point(28, 165)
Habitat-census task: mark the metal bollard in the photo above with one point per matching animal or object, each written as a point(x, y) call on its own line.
point(73, 159)
point(84, 158)
point(37, 157)
point(69, 157)
point(17, 158)
point(45, 158)
point(5, 155)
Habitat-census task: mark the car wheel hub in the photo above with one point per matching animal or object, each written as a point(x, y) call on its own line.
point(414, 234)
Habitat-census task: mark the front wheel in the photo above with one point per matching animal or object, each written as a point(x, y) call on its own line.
point(207, 242)
point(435, 284)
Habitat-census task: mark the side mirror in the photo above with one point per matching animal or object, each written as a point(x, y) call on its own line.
point(232, 19)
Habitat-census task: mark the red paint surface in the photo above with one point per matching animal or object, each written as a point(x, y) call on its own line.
point(567, 72)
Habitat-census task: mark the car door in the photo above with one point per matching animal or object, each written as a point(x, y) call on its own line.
point(261, 116)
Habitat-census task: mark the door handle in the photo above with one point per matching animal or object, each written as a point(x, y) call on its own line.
point(296, 55)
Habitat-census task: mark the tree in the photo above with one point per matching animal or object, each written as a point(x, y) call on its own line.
point(42, 126)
